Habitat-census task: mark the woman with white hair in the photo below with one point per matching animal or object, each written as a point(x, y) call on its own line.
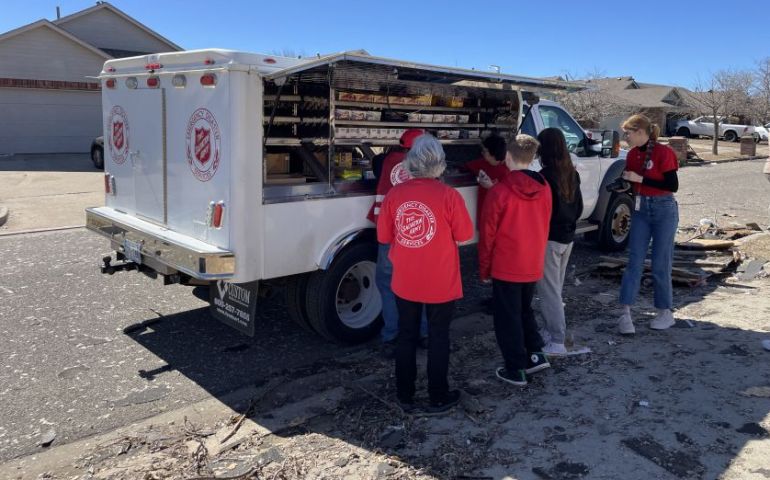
point(423, 220)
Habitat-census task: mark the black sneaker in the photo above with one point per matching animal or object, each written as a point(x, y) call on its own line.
point(451, 399)
point(536, 363)
point(518, 378)
point(388, 350)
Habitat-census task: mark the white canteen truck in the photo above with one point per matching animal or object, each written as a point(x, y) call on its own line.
point(236, 171)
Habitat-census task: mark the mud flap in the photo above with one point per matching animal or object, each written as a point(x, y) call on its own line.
point(235, 304)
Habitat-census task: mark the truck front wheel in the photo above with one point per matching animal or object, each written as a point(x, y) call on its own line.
point(295, 295)
point(343, 303)
point(614, 230)
point(731, 136)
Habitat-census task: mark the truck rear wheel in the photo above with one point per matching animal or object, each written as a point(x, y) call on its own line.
point(614, 230)
point(295, 295)
point(683, 132)
point(731, 136)
point(343, 303)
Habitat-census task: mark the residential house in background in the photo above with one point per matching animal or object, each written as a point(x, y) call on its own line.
point(50, 100)
point(664, 104)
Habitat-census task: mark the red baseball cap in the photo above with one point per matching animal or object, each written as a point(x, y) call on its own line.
point(408, 137)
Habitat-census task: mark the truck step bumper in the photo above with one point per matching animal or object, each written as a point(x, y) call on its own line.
point(162, 249)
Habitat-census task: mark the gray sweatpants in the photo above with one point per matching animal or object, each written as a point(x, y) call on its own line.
point(549, 289)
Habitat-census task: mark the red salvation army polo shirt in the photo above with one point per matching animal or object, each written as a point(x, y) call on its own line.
point(662, 160)
point(422, 220)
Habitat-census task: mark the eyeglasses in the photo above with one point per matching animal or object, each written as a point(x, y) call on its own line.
point(626, 133)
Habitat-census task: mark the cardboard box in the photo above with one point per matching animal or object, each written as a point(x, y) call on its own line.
point(276, 163)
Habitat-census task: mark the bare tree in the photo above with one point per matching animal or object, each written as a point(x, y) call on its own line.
point(761, 98)
point(591, 105)
point(725, 93)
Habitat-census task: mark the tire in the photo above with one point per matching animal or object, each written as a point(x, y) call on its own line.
point(295, 295)
point(616, 225)
point(731, 136)
point(683, 132)
point(343, 303)
point(97, 157)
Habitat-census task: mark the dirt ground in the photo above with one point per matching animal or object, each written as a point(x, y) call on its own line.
point(689, 402)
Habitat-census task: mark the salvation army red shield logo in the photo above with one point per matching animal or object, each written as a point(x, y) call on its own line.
point(203, 144)
point(415, 225)
point(118, 134)
point(399, 174)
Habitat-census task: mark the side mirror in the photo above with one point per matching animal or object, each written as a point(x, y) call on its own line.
point(610, 144)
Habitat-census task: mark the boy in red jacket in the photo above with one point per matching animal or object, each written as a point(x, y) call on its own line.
point(513, 238)
point(423, 220)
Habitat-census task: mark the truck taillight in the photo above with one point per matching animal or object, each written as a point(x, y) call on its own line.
point(216, 214)
point(109, 184)
point(208, 80)
point(153, 82)
point(110, 83)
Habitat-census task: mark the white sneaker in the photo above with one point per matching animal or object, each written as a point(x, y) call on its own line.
point(664, 320)
point(555, 349)
point(626, 325)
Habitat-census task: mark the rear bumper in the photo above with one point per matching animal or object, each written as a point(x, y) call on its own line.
point(161, 247)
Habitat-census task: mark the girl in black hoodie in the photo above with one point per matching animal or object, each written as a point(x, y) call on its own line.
point(564, 180)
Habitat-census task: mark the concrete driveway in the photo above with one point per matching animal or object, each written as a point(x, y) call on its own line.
point(48, 191)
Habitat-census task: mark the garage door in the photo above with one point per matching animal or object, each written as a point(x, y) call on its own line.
point(48, 121)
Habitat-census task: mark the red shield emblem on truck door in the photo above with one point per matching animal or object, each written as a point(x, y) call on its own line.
point(117, 134)
point(203, 144)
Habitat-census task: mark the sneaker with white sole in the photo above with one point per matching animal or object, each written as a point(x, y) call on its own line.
point(536, 363)
point(664, 320)
point(626, 325)
point(518, 377)
point(555, 349)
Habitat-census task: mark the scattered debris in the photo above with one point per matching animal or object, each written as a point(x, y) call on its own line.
point(762, 392)
point(47, 438)
point(681, 464)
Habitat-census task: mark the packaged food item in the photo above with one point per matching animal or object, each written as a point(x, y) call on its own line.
point(342, 114)
point(414, 117)
point(276, 163)
point(396, 100)
point(349, 174)
point(426, 117)
point(394, 133)
point(424, 100)
point(473, 133)
point(438, 118)
point(373, 116)
point(379, 98)
point(346, 96)
point(456, 102)
point(463, 118)
point(451, 118)
point(357, 115)
point(363, 97)
point(343, 159)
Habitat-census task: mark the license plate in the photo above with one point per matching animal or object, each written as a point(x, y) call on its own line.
point(132, 251)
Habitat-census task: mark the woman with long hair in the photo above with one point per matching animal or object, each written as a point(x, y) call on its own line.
point(651, 169)
point(567, 202)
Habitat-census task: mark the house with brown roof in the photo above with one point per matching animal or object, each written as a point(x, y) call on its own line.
point(50, 98)
point(664, 104)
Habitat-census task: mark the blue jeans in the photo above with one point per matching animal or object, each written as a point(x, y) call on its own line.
point(656, 220)
point(382, 278)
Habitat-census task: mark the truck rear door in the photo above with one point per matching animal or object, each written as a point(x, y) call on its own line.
point(134, 151)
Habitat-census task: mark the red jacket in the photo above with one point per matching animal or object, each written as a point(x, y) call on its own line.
point(422, 220)
point(495, 172)
point(514, 228)
point(392, 174)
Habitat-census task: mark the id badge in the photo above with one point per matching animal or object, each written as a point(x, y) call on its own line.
point(637, 203)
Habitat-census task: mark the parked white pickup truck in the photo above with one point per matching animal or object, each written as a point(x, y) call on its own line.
point(704, 126)
point(235, 171)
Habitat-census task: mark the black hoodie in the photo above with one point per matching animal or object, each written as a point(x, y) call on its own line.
point(564, 215)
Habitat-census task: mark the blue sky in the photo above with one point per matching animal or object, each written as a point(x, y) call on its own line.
point(654, 41)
